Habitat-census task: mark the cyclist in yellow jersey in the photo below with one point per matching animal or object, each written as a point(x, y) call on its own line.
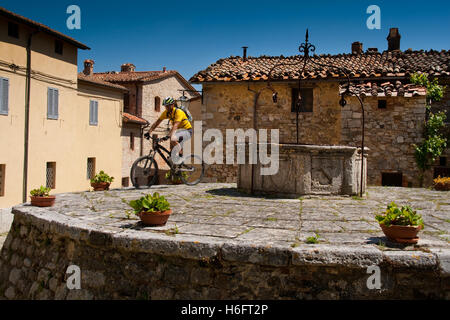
point(181, 127)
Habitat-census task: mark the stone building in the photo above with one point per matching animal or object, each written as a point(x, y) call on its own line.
point(142, 106)
point(237, 95)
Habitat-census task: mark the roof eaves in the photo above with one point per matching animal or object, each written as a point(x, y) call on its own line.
point(42, 28)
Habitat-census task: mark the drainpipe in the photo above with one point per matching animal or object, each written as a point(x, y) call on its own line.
point(27, 118)
point(141, 147)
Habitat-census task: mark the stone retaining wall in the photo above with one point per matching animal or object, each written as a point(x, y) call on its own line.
point(134, 265)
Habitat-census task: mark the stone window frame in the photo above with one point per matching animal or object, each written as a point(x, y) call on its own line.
point(90, 172)
point(157, 104)
point(51, 175)
point(294, 99)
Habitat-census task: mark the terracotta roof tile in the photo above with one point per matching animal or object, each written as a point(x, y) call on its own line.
point(132, 76)
point(127, 117)
point(98, 81)
point(141, 76)
point(384, 89)
point(366, 65)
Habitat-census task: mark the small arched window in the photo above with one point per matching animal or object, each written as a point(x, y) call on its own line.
point(157, 104)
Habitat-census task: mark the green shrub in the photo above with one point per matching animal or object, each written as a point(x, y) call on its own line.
point(150, 203)
point(102, 177)
point(41, 192)
point(405, 216)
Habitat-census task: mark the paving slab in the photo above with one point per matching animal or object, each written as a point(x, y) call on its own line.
point(220, 211)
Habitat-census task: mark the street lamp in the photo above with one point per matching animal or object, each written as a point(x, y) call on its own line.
point(184, 102)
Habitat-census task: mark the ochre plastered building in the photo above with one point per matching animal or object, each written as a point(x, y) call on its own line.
point(74, 124)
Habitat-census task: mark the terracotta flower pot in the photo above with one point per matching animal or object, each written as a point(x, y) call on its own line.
point(43, 201)
point(155, 218)
point(401, 234)
point(101, 186)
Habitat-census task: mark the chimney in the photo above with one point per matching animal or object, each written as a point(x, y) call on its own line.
point(244, 55)
point(88, 67)
point(393, 39)
point(357, 47)
point(127, 67)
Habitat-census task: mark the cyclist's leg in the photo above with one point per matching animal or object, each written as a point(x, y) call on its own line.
point(181, 136)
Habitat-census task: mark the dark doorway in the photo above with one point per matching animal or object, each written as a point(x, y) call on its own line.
point(391, 179)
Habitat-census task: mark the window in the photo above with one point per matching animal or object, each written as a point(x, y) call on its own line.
point(90, 168)
point(393, 179)
point(51, 175)
point(13, 30)
point(157, 104)
point(4, 93)
point(382, 104)
point(59, 47)
point(2, 179)
point(131, 140)
point(126, 102)
point(307, 100)
point(93, 113)
point(52, 103)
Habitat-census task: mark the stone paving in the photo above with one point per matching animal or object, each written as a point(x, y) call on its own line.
point(218, 212)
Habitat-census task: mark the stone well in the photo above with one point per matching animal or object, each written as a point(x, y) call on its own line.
point(306, 170)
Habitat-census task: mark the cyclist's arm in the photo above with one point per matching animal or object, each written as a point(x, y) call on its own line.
point(155, 125)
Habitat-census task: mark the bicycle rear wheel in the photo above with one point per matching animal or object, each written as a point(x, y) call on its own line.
point(144, 172)
point(192, 170)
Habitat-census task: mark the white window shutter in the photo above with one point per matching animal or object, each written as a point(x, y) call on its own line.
point(96, 112)
point(4, 92)
point(91, 112)
point(56, 93)
point(49, 102)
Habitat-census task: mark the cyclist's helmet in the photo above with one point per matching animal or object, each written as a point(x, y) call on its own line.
point(168, 101)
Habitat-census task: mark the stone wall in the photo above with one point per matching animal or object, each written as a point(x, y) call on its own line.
point(41, 246)
point(229, 106)
point(389, 134)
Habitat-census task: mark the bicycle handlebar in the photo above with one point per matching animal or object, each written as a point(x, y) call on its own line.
point(157, 140)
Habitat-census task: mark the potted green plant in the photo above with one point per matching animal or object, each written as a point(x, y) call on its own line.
point(153, 210)
point(101, 181)
point(400, 224)
point(41, 197)
point(175, 179)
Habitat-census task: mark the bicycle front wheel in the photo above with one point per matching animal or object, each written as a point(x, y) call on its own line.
point(144, 172)
point(192, 170)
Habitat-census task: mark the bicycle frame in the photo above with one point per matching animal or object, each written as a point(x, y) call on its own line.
point(157, 148)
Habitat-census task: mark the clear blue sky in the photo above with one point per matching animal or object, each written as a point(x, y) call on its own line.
point(190, 35)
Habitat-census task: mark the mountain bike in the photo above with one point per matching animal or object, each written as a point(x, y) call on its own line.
point(144, 171)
